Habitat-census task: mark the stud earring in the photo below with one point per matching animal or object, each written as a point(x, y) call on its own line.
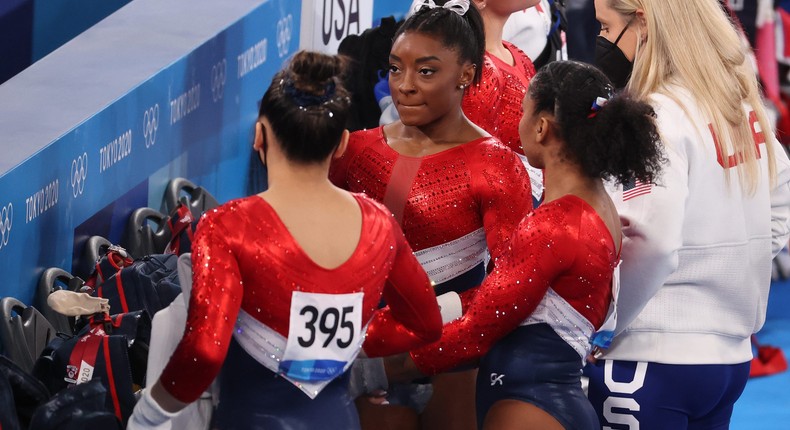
point(462, 86)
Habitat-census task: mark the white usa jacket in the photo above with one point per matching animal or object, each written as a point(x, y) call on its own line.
point(697, 251)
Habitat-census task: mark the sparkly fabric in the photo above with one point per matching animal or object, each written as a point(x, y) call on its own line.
point(244, 257)
point(455, 192)
point(564, 245)
point(495, 102)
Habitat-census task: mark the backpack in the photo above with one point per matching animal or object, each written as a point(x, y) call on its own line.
point(80, 407)
point(111, 350)
point(21, 394)
point(149, 283)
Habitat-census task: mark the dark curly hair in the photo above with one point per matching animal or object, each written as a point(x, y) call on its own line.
point(308, 106)
point(618, 141)
point(463, 34)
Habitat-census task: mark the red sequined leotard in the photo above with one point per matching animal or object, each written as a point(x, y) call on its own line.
point(244, 259)
point(558, 271)
point(450, 204)
point(495, 102)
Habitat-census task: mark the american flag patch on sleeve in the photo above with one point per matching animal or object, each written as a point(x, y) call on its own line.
point(636, 188)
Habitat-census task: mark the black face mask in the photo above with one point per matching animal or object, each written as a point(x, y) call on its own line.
point(612, 62)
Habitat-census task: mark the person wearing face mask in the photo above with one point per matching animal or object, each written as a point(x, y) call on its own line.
point(611, 59)
point(699, 240)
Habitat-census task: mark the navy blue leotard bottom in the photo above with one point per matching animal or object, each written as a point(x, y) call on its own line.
point(252, 397)
point(534, 365)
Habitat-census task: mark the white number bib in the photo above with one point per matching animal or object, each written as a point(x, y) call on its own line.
point(324, 335)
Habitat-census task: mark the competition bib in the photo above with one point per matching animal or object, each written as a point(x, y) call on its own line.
point(324, 335)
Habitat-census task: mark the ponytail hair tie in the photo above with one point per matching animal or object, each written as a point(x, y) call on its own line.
point(458, 6)
point(305, 100)
point(598, 103)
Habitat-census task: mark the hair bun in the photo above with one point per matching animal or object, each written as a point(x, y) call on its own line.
point(312, 71)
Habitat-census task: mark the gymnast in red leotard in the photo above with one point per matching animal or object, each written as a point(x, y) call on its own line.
point(533, 321)
point(494, 103)
point(457, 192)
point(287, 283)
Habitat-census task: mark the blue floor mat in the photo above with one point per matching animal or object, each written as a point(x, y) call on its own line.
point(765, 403)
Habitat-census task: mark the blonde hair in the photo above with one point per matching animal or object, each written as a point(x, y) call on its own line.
point(695, 44)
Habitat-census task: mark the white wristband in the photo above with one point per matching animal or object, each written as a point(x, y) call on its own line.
point(449, 306)
point(148, 415)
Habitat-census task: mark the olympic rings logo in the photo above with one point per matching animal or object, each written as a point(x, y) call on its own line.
point(150, 125)
point(218, 78)
point(79, 173)
point(284, 30)
point(6, 220)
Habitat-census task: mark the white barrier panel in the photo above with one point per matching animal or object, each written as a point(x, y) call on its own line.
point(325, 23)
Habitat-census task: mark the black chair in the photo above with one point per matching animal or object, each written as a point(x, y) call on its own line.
point(147, 232)
point(51, 280)
point(197, 198)
point(95, 247)
point(24, 332)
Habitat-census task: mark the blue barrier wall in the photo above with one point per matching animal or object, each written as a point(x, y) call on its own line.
point(155, 91)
